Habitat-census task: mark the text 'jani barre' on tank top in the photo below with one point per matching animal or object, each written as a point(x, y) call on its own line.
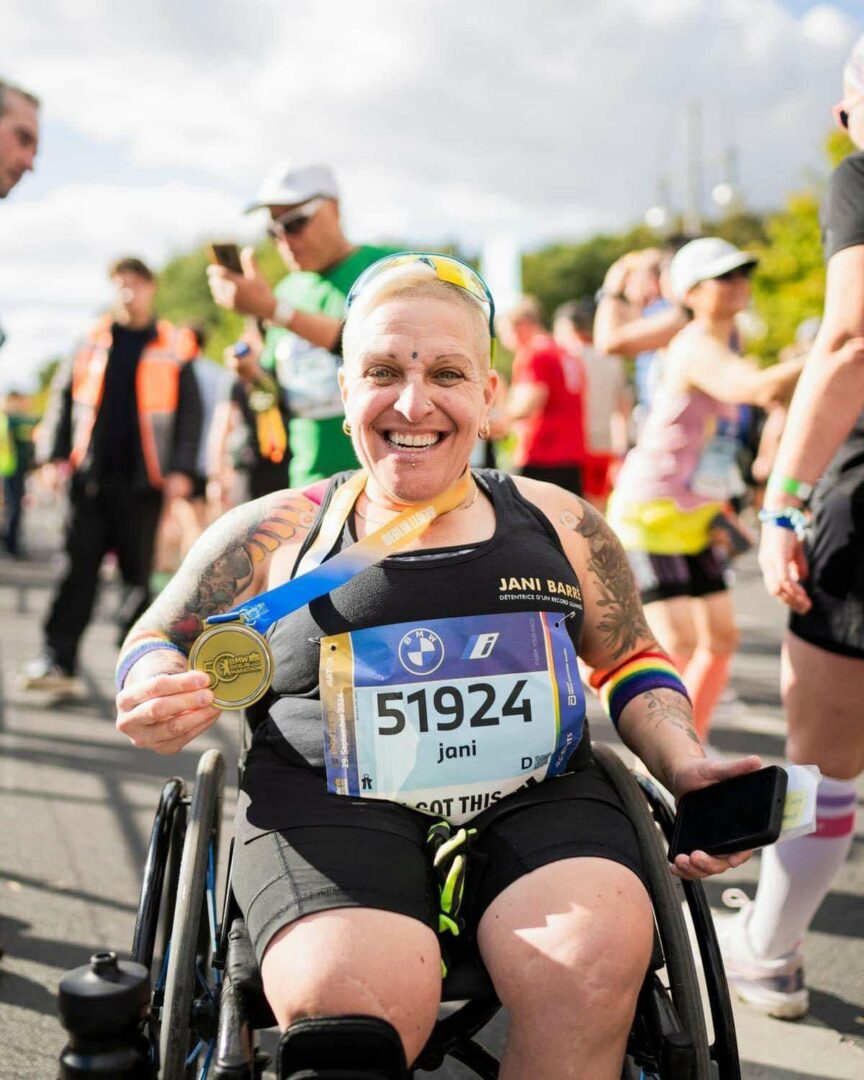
point(444, 669)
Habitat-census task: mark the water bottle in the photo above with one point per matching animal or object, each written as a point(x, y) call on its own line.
point(102, 1006)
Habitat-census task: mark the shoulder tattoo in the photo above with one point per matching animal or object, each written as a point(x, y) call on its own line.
point(213, 577)
point(621, 621)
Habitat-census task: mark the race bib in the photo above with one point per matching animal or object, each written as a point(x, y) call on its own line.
point(450, 715)
point(717, 475)
point(308, 373)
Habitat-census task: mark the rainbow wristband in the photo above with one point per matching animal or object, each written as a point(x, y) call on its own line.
point(647, 671)
point(134, 655)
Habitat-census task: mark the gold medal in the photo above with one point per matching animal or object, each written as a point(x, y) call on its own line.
point(238, 661)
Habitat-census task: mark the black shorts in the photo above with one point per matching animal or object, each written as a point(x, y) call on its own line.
point(663, 577)
point(319, 852)
point(835, 583)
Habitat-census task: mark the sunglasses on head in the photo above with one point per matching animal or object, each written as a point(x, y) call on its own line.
point(736, 274)
point(293, 222)
point(446, 267)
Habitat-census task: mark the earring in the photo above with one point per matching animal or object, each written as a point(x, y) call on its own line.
point(483, 433)
point(346, 427)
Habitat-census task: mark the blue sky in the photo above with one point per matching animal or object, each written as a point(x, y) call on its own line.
point(443, 119)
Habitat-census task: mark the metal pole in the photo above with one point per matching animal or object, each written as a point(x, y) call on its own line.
point(693, 207)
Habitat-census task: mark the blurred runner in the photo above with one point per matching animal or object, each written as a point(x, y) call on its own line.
point(545, 400)
point(303, 344)
point(185, 518)
point(248, 451)
point(637, 316)
point(813, 560)
point(16, 459)
point(606, 402)
point(670, 500)
point(126, 415)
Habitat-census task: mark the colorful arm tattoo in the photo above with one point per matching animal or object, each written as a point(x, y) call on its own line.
point(227, 563)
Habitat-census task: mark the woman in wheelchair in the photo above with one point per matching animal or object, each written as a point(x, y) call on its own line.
point(436, 681)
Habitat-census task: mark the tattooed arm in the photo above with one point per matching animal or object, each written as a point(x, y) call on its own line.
point(162, 705)
point(656, 725)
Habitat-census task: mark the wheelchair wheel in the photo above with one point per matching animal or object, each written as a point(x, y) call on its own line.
point(159, 884)
point(187, 1026)
point(667, 898)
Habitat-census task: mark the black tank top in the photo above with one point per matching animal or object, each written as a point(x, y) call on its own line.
point(522, 567)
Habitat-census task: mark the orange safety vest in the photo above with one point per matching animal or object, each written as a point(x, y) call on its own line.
point(157, 387)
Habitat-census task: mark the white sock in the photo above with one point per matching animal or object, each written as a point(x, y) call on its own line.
point(796, 875)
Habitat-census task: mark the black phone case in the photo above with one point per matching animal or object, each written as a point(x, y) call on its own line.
point(745, 841)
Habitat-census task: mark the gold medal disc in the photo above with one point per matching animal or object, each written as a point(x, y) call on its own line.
point(238, 661)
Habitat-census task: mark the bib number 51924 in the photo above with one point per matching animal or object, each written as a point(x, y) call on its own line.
point(446, 708)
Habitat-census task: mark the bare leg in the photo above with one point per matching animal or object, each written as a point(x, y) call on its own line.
point(707, 673)
point(357, 960)
point(822, 692)
point(567, 947)
point(673, 625)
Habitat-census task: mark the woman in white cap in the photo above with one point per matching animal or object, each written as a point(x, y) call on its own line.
point(676, 481)
point(812, 557)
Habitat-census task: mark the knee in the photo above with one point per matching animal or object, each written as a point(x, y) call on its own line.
point(311, 978)
point(721, 639)
point(594, 975)
point(680, 643)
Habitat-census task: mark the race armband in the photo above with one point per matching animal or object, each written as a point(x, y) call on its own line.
point(648, 670)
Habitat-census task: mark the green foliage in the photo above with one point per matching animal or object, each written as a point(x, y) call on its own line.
point(789, 284)
point(563, 272)
point(838, 145)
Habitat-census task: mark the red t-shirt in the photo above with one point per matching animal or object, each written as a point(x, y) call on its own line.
point(555, 435)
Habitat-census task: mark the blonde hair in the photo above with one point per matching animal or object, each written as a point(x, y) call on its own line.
point(414, 280)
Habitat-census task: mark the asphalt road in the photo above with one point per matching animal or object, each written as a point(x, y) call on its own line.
point(76, 805)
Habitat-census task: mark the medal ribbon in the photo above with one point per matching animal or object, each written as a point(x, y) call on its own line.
point(316, 577)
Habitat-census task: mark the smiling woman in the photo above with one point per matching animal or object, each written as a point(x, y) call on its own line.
point(438, 680)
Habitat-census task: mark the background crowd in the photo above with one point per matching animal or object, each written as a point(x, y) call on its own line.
point(645, 397)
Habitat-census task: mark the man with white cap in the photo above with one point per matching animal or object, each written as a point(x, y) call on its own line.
point(304, 311)
point(676, 481)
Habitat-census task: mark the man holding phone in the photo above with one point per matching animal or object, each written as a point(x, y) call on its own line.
point(304, 311)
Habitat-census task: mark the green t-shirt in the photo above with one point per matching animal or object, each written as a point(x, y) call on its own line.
point(307, 372)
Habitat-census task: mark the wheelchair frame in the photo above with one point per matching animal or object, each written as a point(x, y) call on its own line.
point(207, 1007)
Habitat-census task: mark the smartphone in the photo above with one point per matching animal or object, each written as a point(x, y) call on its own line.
point(735, 815)
point(227, 255)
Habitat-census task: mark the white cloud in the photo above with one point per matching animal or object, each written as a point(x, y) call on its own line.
point(445, 120)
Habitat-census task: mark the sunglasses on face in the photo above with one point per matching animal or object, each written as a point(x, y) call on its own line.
point(293, 222)
point(446, 267)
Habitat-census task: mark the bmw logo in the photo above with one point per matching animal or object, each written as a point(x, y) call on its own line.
point(421, 652)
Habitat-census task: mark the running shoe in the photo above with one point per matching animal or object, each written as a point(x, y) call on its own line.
point(43, 674)
point(775, 987)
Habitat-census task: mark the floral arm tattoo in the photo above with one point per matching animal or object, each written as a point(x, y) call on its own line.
point(621, 622)
point(223, 565)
